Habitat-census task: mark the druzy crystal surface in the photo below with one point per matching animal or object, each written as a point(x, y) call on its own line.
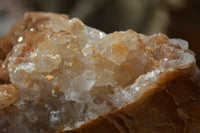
point(65, 74)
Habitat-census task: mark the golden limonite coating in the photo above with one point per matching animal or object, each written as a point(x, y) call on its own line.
point(59, 75)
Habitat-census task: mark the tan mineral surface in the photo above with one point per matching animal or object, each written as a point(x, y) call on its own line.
point(59, 75)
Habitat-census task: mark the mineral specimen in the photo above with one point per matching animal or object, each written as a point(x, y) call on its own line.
point(59, 75)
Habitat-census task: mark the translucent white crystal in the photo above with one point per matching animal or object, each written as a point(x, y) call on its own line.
point(182, 43)
point(54, 117)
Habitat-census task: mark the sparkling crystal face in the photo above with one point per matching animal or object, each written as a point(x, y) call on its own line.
point(72, 73)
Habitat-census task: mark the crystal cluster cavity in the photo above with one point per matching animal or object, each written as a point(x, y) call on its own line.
point(64, 74)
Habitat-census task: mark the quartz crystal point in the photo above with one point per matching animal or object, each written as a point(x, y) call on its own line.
point(59, 75)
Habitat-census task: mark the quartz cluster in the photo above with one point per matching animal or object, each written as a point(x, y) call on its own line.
point(64, 74)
